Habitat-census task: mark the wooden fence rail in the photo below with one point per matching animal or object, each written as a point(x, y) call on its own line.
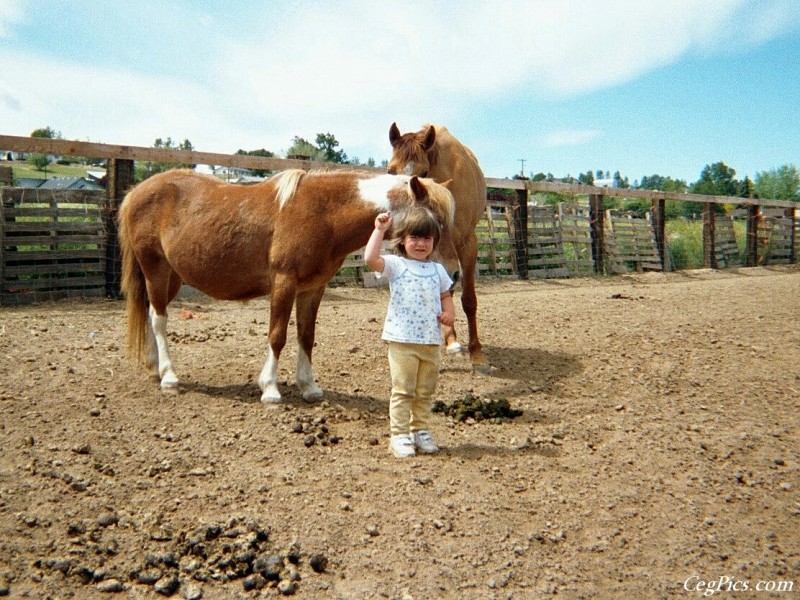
point(516, 239)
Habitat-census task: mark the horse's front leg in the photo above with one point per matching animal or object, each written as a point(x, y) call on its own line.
point(166, 372)
point(280, 309)
point(306, 314)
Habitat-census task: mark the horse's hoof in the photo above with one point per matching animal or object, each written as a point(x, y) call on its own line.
point(270, 398)
point(169, 382)
point(482, 370)
point(454, 348)
point(314, 393)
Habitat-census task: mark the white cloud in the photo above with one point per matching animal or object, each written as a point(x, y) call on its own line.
point(569, 137)
point(10, 14)
point(352, 68)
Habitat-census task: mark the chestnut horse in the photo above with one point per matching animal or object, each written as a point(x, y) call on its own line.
point(433, 152)
point(286, 236)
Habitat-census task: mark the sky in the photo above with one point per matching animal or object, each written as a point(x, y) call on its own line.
point(642, 87)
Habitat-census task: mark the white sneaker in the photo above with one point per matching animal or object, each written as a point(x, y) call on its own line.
point(402, 445)
point(425, 442)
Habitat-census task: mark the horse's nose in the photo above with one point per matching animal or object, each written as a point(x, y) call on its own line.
point(392, 171)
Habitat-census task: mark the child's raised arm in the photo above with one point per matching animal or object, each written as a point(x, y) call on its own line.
point(372, 253)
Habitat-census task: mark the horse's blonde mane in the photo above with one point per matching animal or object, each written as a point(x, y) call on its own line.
point(286, 183)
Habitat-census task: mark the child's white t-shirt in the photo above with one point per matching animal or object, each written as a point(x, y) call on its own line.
point(415, 300)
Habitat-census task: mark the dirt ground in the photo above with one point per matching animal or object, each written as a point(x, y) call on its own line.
point(656, 455)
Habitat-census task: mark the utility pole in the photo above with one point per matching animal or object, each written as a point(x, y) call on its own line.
point(522, 167)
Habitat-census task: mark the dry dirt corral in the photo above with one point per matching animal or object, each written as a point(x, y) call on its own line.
point(658, 444)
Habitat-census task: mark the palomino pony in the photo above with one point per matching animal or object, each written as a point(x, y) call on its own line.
point(433, 152)
point(286, 236)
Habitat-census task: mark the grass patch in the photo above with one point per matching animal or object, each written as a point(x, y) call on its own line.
point(685, 242)
point(24, 169)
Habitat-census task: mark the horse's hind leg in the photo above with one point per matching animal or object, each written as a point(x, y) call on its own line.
point(306, 314)
point(469, 302)
point(161, 290)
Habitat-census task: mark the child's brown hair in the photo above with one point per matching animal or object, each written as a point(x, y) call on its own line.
point(417, 221)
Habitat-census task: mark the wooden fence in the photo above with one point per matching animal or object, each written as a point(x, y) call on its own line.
point(70, 242)
point(53, 243)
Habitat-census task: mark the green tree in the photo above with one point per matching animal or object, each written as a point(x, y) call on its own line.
point(302, 148)
point(717, 180)
point(782, 183)
point(37, 160)
point(327, 143)
point(324, 150)
point(620, 181)
point(148, 169)
point(662, 184)
point(46, 132)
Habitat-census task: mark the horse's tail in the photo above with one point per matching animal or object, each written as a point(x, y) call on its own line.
point(133, 288)
point(286, 183)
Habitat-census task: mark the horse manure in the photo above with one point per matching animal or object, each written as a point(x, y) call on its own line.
point(472, 407)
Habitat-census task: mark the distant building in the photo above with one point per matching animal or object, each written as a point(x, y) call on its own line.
point(59, 183)
point(12, 155)
point(610, 183)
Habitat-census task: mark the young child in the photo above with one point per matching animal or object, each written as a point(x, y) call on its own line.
point(419, 300)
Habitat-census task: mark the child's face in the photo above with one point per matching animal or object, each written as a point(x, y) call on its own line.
point(418, 247)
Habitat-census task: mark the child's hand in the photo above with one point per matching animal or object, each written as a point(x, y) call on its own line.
point(446, 318)
point(383, 221)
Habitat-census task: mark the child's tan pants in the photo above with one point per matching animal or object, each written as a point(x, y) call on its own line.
point(415, 371)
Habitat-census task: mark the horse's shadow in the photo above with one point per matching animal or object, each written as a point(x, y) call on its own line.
point(249, 393)
point(518, 371)
point(525, 370)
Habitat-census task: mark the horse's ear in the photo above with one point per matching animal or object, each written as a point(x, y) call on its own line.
point(419, 191)
point(394, 134)
point(430, 138)
point(447, 183)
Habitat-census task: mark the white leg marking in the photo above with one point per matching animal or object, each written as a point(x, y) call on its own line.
point(453, 348)
point(165, 370)
point(305, 376)
point(268, 380)
point(151, 350)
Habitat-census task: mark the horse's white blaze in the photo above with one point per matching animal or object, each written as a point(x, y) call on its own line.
point(165, 369)
point(268, 380)
point(305, 376)
point(375, 190)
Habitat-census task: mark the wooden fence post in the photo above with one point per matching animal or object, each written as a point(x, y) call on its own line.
point(791, 214)
point(520, 212)
point(121, 178)
point(6, 176)
point(751, 241)
point(597, 232)
point(709, 236)
point(659, 229)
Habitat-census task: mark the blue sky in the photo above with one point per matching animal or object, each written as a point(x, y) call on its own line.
point(643, 87)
